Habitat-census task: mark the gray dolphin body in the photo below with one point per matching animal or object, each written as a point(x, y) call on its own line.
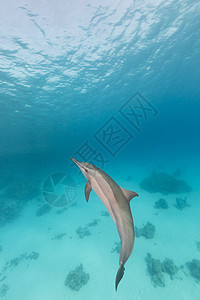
point(117, 202)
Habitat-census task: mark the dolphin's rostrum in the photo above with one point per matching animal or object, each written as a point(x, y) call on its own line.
point(117, 202)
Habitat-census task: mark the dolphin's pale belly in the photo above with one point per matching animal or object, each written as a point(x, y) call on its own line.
point(104, 196)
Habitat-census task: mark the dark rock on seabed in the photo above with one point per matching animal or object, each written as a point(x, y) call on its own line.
point(156, 268)
point(82, 232)
point(181, 203)
point(146, 231)
point(44, 209)
point(3, 290)
point(77, 278)
point(164, 183)
point(104, 213)
point(161, 203)
point(10, 209)
point(169, 267)
point(117, 247)
point(194, 268)
point(59, 236)
point(198, 246)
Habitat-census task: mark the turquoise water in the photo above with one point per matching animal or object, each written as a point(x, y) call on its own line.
point(115, 84)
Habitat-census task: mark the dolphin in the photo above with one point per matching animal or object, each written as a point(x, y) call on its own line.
point(117, 202)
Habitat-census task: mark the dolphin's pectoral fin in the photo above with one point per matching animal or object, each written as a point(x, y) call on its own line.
point(129, 194)
point(120, 274)
point(88, 189)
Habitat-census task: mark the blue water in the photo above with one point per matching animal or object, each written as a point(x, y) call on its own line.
point(117, 85)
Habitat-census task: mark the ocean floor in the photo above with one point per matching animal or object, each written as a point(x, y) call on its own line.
point(73, 252)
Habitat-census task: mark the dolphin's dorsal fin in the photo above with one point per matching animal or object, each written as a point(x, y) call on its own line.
point(88, 189)
point(129, 194)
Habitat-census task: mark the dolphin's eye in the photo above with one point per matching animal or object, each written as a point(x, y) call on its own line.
point(85, 170)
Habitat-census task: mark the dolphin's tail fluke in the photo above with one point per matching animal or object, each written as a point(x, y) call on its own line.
point(120, 274)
